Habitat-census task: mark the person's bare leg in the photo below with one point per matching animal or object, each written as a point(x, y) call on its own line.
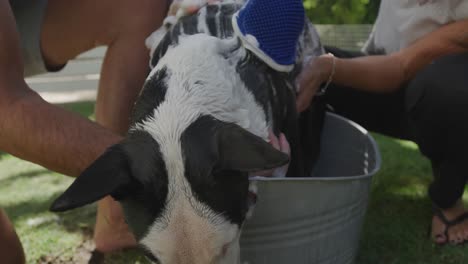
point(123, 26)
point(34, 130)
point(11, 250)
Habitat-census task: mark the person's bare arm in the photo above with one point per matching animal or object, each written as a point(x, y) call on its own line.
point(35, 130)
point(385, 73)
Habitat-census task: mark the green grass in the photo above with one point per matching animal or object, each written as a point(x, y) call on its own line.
point(399, 214)
point(395, 230)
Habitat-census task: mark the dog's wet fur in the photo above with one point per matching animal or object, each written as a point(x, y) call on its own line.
point(198, 129)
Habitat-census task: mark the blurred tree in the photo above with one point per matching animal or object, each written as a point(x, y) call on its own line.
point(342, 11)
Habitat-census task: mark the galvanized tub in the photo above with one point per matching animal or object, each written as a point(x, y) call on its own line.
point(318, 219)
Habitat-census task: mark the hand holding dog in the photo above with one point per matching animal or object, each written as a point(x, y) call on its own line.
point(316, 71)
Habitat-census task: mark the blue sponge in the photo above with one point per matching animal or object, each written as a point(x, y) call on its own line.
point(271, 29)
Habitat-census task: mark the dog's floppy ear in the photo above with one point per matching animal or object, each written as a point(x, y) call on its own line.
point(213, 144)
point(121, 170)
point(243, 151)
point(109, 173)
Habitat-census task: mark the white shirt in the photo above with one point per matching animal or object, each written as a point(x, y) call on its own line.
point(401, 22)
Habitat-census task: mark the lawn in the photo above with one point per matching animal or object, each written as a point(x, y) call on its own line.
point(396, 228)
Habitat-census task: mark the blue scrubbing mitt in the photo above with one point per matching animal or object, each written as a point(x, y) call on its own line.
point(271, 29)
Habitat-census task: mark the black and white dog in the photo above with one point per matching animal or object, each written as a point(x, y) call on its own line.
point(199, 127)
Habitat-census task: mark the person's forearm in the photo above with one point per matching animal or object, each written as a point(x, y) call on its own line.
point(35, 130)
point(369, 73)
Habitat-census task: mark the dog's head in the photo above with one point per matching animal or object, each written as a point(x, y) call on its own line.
point(181, 174)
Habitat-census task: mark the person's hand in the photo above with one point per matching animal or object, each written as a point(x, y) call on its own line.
point(182, 8)
point(316, 71)
point(280, 143)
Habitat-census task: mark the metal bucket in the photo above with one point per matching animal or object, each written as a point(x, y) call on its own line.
point(318, 219)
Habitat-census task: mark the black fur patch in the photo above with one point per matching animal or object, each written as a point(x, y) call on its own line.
point(274, 92)
point(253, 72)
point(152, 95)
point(189, 25)
point(224, 191)
point(144, 205)
point(171, 38)
point(211, 11)
point(227, 11)
point(132, 172)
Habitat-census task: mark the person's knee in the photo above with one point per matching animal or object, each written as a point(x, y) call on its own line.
point(440, 87)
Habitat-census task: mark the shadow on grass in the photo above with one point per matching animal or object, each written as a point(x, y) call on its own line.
point(78, 220)
point(399, 214)
point(28, 174)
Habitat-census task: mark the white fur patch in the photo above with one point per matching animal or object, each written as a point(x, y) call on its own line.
point(184, 237)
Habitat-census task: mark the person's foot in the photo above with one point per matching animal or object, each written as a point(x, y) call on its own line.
point(111, 233)
point(457, 233)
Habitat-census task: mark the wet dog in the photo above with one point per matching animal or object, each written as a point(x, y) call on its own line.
point(199, 127)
